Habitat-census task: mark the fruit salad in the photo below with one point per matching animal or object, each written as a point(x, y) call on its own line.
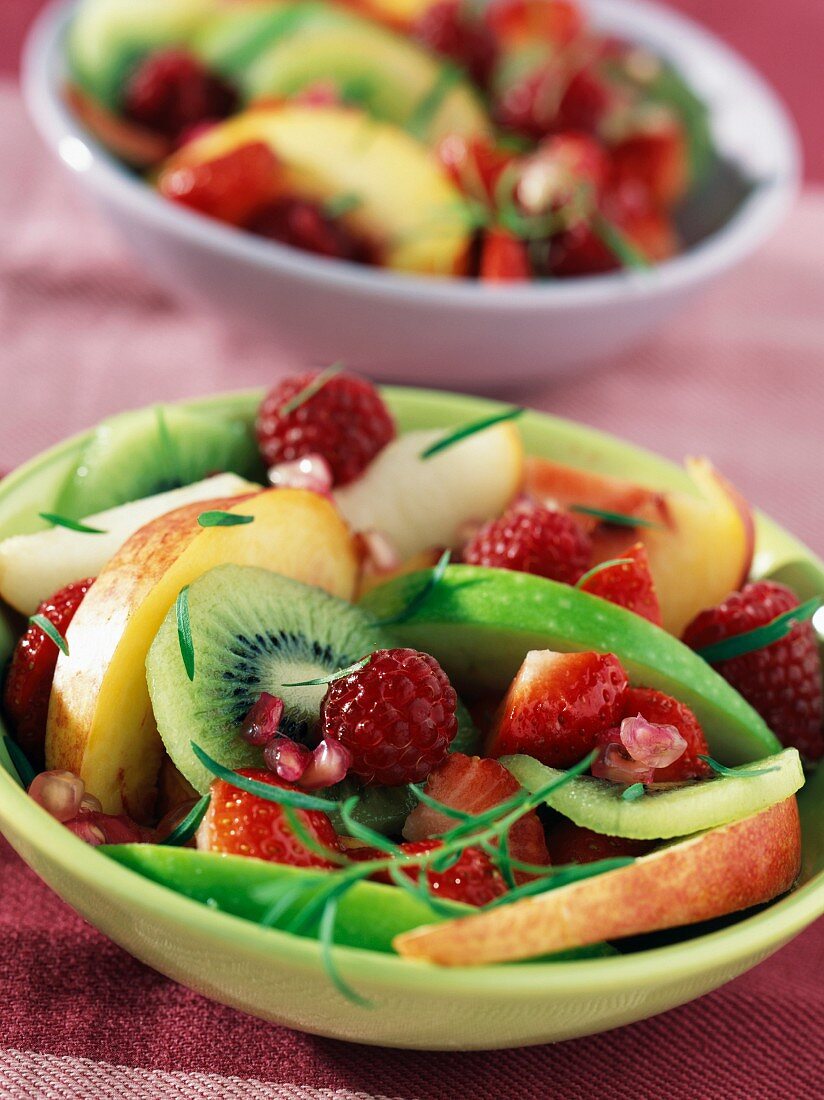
point(412, 690)
point(506, 141)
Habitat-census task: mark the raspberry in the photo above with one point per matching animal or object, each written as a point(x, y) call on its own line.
point(303, 224)
point(29, 681)
point(533, 540)
point(396, 715)
point(241, 824)
point(172, 91)
point(663, 710)
point(473, 879)
point(447, 27)
point(782, 681)
point(345, 422)
point(584, 103)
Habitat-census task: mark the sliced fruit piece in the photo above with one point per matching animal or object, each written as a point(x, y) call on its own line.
point(34, 566)
point(252, 631)
point(699, 548)
point(138, 454)
point(628, 583)
point(400, 197)
point(663, 710)
point(557, 705)
point(480, 623)
point(473, 785)
point(570, 843)
point(131, 143)
point(666, 811)
point(108, 37)
point(710, 875)
point(419, 503)
point(101, 725)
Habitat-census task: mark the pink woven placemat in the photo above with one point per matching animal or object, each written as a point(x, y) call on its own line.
point(83, 335)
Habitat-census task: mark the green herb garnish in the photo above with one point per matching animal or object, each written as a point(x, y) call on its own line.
point(734, 773)
point(223, 519)
point(343, 204)
point(184, 632)
point(466, 430)
point(332, 676)
point(618, 519)
point(21, 762)
point(424, 113)
point(186, 829)
point(619, 244)
point(51, 631)
point(309, 391)
point(762, 636)
point(600, 568)
point(420, 598)
point(633, 792)
point(284, 796)
point(71, 524)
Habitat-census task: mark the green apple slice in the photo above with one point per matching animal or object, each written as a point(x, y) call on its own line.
point(668, 811)
point(480, 623)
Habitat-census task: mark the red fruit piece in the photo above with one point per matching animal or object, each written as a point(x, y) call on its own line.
point(474, 163)
point(473, 879)
point(345, 421)
point(396, 716)
point(302, 224)
point(782, 681)
point(451, 28)
point(570, 843)
point(474, 785)
point(558, 704)
point(231, 188)
point(171, 91)
point(584, 104)
point(663, 710)
point(658, 161)
point(566, 171)
point(241, 824)
point(29, 680)
point(504, 258)
point(514, 21)
point(629, 585)
point(532, 539)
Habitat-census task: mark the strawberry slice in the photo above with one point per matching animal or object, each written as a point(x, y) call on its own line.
point(474, 785)
point(242, 824)
point(29, 681)
point(628, 584)
point(570, 843)
point(232, 188)
point(663, 710)
point(504, 258)
point(473, 879)
point(658, 160)
point(558, 704)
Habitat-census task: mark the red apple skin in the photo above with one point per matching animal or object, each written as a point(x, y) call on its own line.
point(710, 875)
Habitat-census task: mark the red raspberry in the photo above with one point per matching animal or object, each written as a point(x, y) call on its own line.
point(241, 824)
point(569, 843)
point(29, 681)
point(663, 710)
point(782, 681)
point(473, 879)
point(449, 28)
point(303, 224)
point(345, 421)
point(171, 91)
point(533, 540)
point(396, 715)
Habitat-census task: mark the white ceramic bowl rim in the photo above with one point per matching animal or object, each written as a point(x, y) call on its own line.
point(692, 49)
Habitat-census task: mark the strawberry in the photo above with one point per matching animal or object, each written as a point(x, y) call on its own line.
point(504, 258)
point(584, 104)
point(629, 585)
point(663, 710)
point(242, 824)
point(558, 704)
point(474, 163)
point(231, 188)
point(474, 785)
point(516, 22)
point(566, 173)
point(29, 680)
point(782, 681)
point(570, 843)
point(658, 160)
point(473, 879)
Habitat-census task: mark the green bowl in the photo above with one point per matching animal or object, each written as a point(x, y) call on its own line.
point(281, 977)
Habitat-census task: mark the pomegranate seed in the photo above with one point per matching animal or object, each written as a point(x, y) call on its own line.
point(311, 472)
point(85, 829)
point(90, 804)
point(286, 758)
point(329, 764)
point(649, 743)
point(617, 766)
point(261, 723)
point(380, 555)
point(60, 793)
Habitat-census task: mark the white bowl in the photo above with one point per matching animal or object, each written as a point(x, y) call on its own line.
point(433, 331)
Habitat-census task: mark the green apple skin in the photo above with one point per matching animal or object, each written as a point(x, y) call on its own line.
point(480, 623)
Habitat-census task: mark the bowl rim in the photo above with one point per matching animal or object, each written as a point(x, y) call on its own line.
point(745, 231)
point(756, 935)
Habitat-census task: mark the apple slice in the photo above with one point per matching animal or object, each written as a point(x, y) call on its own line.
point(101, 725)
point(420, 503)
point(34, 567)
point(709, 875)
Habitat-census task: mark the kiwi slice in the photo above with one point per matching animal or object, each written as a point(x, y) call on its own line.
point(666, 812)
point(252, 631)
point(138, 454)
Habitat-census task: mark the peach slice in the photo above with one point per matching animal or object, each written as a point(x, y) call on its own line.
point(708, 875)
point(100, 723)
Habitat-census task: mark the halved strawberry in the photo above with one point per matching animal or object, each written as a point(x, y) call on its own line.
point(474, 785)
point(659, 160)
point(663, 710)
point(557, 705)
point(474, 163)
point(628, 584)
point(473, 879)
point(241, 824)
point(570, 843)
point(504, 258)
point(232, 188)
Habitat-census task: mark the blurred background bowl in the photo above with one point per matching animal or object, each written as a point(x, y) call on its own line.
point(459, 332)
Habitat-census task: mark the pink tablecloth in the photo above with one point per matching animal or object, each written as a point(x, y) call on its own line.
point(83, 335)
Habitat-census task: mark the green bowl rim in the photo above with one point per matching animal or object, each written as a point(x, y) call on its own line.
point(759, 934)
